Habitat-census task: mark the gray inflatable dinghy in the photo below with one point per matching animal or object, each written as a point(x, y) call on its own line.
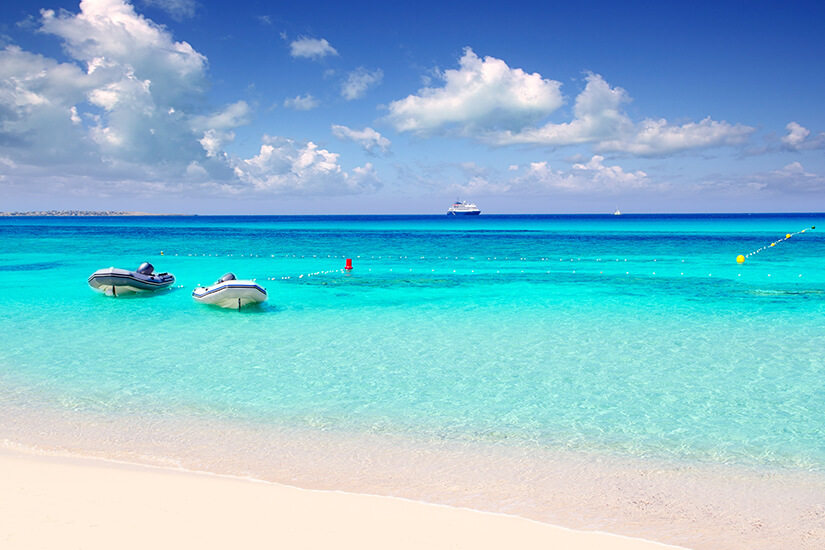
point(113, 281)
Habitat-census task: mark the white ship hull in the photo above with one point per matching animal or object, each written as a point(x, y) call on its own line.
point(463, 208)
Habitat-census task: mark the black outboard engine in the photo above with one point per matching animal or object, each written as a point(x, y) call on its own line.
point(146, 268)
point(227, 277)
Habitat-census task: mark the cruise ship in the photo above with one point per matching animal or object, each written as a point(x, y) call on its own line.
point(463, 208)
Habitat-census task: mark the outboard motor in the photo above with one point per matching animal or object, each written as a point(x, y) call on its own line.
point(227, 277)
point(146, 268)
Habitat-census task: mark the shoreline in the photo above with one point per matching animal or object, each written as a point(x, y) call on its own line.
point(79, 502)
point(696, 506)
point(82, 214)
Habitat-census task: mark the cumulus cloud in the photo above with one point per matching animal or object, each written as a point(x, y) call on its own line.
point(613, 177)
point(301, 102)
point(359, 81)
point(143, 81)
point(38, 117)
point(501, 106)
point(213, 142)
point(797, 134)
point(313, 48)
point(125, 115)
point(590, 177)
point(108, 34)
point(481, 93)
point(368, 138)
point(599, 119)
point(231, 116)
point(287, 167)
point(797, 138)
point(597, 116)
point(658, 137)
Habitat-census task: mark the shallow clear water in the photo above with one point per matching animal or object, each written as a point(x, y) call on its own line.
point(635, 335)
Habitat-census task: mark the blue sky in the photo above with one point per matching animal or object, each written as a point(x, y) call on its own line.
point(354, 107)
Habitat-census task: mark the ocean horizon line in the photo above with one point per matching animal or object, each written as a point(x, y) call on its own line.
point(126, 214)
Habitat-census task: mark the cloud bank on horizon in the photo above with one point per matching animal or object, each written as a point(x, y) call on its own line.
point(127, 113)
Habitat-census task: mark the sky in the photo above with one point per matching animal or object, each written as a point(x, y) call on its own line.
point(254, 107)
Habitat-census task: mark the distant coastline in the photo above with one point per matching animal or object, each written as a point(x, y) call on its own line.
point(81, 213)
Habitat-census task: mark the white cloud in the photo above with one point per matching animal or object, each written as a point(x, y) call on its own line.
point(792, 180)
point(313, 48)
point(599, 119)
point(482, 93)
point(797, 138)
point(137, 86)
point(285, 167)
point(658, 137)
point(196, 171)
point(178, 9)
point(597, 116)
point(611, 177)
point(498, 105)
point(125, 116)
point(368, 138)
point(797, 135)
point(359, 81)
point(232, 116)
point(38, 114)
point(108, 34)
point(794, 177)
point(539, 178)
point(301, 103)
point(213, 141)
point(477, 186)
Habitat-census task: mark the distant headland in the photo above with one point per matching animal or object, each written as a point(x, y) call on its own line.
point(80, 213)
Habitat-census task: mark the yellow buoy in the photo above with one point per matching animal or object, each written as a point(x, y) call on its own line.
point(740, 259)
point(788, 236)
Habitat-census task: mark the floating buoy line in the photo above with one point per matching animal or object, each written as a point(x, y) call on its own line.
point(610, 264)
point(741, 258)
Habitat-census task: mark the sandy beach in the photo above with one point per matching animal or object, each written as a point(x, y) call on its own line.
point(72, 503)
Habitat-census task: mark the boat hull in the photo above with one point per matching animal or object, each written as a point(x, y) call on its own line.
point(470, 213)
point(230, 294)
point(113, 281)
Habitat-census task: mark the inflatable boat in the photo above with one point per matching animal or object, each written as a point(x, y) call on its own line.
point(230, 292)
point(113, 281)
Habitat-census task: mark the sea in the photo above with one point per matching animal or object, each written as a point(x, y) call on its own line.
point(622, 373)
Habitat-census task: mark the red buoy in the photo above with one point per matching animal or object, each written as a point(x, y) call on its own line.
point(349, 264)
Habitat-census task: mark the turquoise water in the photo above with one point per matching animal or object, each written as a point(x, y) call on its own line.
point(635, 335)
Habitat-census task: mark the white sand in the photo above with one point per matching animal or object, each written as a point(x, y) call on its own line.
point(51, 502)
